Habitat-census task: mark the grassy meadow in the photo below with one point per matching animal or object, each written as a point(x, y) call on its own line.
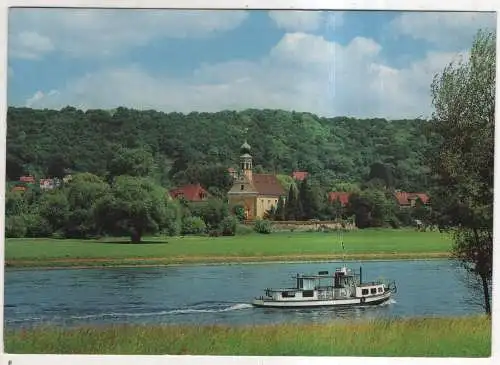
point(439, 337)
point(286, 246)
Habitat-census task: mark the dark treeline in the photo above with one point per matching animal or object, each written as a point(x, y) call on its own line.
point(333, 150)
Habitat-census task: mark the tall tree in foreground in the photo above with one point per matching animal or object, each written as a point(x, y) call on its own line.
point(464, 100)
point(134, 206)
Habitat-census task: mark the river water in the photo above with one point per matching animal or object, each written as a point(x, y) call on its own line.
point(218, 294)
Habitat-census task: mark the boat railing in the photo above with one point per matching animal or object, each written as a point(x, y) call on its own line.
point(389, 285)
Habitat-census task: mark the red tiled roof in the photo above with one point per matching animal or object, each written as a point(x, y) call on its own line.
point(19, 188)
point(341, 196)
point(267, 184)
point(29, 179)
point(300, 175)
point(193, 192)
point(404, 198)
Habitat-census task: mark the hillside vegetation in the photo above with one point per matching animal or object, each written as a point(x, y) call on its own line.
point(334, 150)
point(122, 161)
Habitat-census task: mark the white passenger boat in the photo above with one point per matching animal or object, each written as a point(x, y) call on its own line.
point(340, 288)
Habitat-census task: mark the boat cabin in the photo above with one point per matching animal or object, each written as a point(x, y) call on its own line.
point(369, 289)
point(322, 286)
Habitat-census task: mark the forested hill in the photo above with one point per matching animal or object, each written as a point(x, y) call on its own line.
point(331, 149)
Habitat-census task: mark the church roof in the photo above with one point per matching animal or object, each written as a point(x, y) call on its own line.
point(267, 184)
point(245, 148)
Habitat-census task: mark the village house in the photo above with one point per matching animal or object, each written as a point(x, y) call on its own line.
point(408, 200)
point(341, 196)
point(404, 199)
point(49, 184)
point(19, 188)
point(255, 193)
point(300, 175)
point(191, 193)
point(27, 179)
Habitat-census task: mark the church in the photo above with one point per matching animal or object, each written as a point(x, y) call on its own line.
point(256, 193)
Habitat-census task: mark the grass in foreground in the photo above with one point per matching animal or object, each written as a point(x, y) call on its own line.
point(432, 337)
point(365, 244)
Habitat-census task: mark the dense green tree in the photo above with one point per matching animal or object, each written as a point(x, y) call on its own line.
point(310, 200)
point(382, 172)
point(132, 162)
point(174, 215)
point(280, 210)
point(292, 207)
point(82, 192)
point(372, 208)
point(54, 207)
point(15, 203)
point(337, 209)
point(13, 168)
point(462, 163)
point(134, 206)
point(214, 178)
point(57, 166)
point(213, 211)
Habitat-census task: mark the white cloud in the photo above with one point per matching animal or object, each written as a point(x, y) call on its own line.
point(302, 72)
point(305, 21)
point(443, 29)
point(40, 96)
point(99, 32)
point(29, 45)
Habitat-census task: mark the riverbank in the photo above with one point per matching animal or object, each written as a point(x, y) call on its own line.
point(213, 260)
point(377, 244)
point(429, 337)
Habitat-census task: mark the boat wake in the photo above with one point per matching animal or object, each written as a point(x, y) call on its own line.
point(389, 302)
point(188, 310)
point(196, 308)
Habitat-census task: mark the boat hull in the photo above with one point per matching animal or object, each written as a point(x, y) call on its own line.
point(375, 300)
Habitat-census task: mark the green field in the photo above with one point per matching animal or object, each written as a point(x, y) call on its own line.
point(450, 337)
point(360, 244)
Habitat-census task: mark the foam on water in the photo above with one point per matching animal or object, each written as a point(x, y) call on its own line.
point(187, 310)
point(390, 301)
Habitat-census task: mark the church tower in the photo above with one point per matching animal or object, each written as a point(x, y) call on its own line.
point(246, 161)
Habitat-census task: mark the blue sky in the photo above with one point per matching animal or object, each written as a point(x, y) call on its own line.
point(362, 64)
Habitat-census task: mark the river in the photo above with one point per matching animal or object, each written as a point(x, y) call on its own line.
point(218, 294)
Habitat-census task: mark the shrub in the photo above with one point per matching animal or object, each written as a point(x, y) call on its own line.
point(262, 226)
point(239, 212)
point(228, 226)
point(214, 233)
point(405, 217)
point(15, 227)
point(37, 226)
point(394, 223)
point(242, 230)
point(193, 225)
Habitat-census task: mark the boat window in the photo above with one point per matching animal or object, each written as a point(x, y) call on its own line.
point(300, 283)
point(364, 292)
point(380, 290)
point(308, 293)
point(373, 291)
point(288, 294)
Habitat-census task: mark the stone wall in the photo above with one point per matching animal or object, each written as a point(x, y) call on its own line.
point(304, 226)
